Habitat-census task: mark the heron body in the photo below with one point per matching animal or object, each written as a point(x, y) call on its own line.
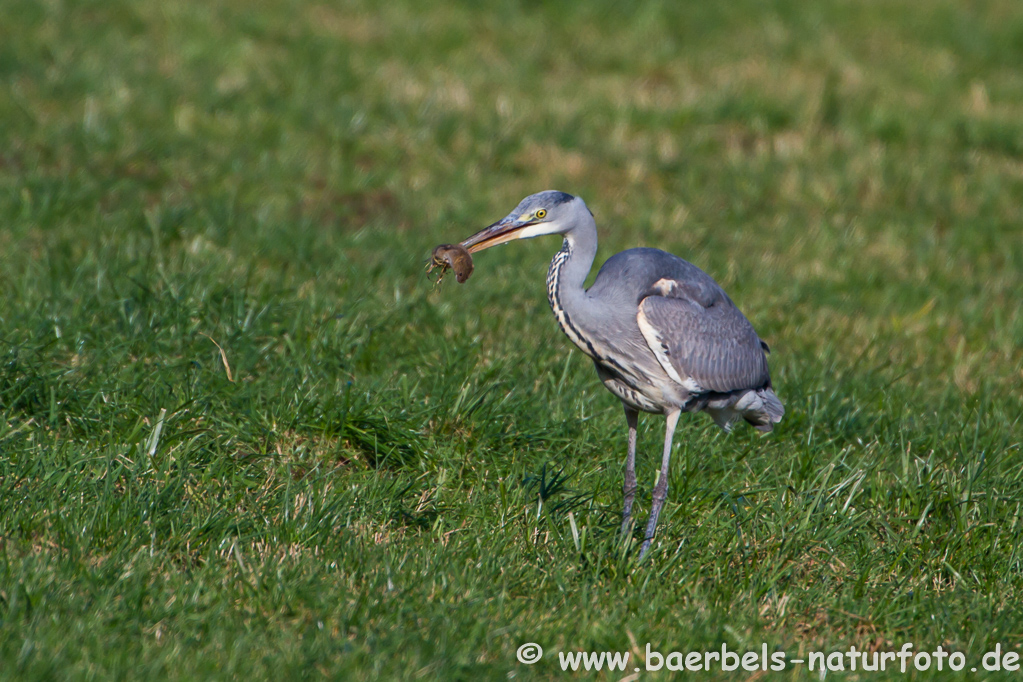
point(663, 335)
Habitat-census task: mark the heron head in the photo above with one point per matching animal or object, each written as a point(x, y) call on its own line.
point(548, 212)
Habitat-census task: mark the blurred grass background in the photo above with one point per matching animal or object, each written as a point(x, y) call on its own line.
point(381, 487)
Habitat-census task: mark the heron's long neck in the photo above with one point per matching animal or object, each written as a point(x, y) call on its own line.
point(572, 306)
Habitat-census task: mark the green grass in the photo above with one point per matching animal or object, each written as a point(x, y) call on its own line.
point(385, 481)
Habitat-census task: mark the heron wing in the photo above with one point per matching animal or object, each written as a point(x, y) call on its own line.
point(701, 339)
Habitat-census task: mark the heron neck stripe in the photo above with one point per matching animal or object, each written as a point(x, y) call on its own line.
point(626, 375)
point(616, 368)
point(554, 297)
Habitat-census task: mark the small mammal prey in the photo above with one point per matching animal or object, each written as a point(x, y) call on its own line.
point(451, 256)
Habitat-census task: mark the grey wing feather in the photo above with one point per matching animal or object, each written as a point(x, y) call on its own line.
point(704, 338)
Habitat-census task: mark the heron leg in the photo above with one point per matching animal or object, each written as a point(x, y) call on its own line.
point(632, 417)
point(661, 489)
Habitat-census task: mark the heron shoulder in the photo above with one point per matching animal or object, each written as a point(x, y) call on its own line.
point(643, 272)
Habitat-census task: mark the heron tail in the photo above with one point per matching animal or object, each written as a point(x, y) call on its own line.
point(761, 408)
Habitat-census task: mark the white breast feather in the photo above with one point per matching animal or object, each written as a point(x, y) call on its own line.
point(665, 286)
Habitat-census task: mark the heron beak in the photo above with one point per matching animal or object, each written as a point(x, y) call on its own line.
point(505, 230)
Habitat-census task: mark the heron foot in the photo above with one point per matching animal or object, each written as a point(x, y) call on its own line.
point(660, 494)
point(627, 525)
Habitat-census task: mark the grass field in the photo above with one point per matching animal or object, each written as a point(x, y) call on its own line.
point(243, 436)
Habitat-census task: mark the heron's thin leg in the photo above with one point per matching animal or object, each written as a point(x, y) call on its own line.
point(632, 417)
point(661, 489)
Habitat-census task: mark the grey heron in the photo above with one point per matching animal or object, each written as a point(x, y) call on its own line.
point(664, 336)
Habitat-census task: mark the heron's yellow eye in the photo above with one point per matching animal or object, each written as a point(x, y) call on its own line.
point(541, 213)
